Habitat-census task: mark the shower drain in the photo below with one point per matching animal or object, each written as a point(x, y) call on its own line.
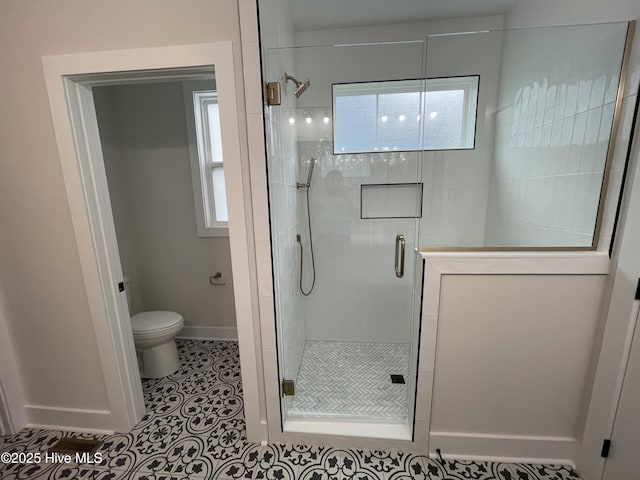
point(397, 379)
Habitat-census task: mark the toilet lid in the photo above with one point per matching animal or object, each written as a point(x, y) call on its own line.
point(149, 321)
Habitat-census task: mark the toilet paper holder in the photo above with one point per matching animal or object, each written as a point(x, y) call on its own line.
point(216, 279)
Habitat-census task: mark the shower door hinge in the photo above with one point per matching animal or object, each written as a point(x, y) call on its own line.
point(272, 93)
point(288, 388)
point(121, 286)
point(606, 446)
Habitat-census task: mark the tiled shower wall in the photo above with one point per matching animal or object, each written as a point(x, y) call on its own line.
point(282, 167)
point(457, 181)
point(558, 89)
point(357, 297)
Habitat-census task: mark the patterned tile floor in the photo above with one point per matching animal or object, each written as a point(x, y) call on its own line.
point(194, 429)
point(348, 379)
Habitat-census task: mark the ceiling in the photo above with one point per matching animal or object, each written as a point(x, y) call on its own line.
point(328, 14)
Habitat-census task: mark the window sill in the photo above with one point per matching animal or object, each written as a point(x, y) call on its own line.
point(213, 232)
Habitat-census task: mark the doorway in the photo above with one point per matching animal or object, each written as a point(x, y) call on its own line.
point(70, 80)
point(155, 189)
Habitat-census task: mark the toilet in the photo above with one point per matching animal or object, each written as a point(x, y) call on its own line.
point(154, 334)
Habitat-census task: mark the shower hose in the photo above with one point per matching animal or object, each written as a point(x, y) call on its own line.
point(313, 263)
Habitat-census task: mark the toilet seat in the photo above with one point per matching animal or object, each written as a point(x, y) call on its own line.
point(156, 323)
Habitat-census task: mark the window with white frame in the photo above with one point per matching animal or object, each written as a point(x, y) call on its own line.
point(405, 115)
point(207, 165)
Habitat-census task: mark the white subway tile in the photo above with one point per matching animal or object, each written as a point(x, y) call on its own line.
point(598, 90)
point(252, 77)
point(572, 99)
point(592, 131)
point(611, 91)
point(584, 95)
point(607, 118)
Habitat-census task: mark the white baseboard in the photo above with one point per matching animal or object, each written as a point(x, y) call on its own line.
point(209, 333)
point(69, 419)
point(504, 448)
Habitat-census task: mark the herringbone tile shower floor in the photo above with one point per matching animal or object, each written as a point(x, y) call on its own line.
point(349, 379)
point(194, 429)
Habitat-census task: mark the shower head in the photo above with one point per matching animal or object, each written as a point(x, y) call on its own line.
point(300, 86)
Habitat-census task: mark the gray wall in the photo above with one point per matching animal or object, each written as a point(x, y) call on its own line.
point(145, 146)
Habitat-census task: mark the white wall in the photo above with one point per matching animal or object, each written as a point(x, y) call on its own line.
point(46, 305)
point(513, 356)
point(505, 351)
point(149, 174)
point(558, 88)
point(118, 182)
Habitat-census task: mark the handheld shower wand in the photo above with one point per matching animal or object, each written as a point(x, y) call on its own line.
point(306, 187)
point(309, 176)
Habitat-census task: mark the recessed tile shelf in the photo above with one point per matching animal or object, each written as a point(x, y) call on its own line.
point(391, 200)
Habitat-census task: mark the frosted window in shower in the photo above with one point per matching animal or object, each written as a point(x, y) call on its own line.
point(405, 115)
point(444, 120)
point(399, 127)
point(357, 122)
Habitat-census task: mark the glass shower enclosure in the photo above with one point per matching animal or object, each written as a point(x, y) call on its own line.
point(345, 205)
point(497, 140)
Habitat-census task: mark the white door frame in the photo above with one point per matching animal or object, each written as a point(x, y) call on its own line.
point(623, 376)
point(69, 80)
point(621, 316)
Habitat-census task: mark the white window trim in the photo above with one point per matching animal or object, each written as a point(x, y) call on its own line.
point(202, 183)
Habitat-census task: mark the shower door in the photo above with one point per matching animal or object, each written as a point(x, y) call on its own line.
point(345, 201)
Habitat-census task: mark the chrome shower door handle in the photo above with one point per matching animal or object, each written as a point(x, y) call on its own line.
point(400, 247)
